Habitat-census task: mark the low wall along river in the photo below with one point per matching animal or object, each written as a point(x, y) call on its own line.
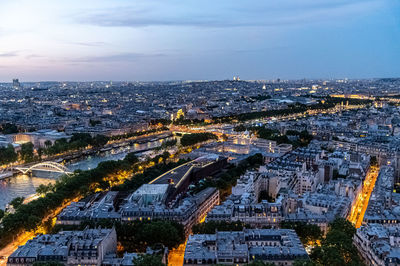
point(25, 185)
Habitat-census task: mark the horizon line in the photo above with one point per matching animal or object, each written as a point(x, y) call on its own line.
point(202, 80)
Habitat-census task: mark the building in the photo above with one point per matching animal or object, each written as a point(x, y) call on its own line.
point(384, 205)
point(320, 207)
point(243, 205)
point(87, 247)
point(279, 246)
point(96, 207)
point(149, 202)
point(283, 148)
point(144, 204)
point(378, 244)
point(16, 84)
point(182, 176)
point(40, 138)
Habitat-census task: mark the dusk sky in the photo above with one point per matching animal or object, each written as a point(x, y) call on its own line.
point(198, 39)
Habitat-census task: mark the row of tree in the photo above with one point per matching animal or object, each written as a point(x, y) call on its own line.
point(76, 142)
point(136, 236)
point(337, 247)
point(8, 128)
point(28, 216)
point(308, 233)
point(27, 153)
point(302, 138)
point(9, 155)
point(296, 108)
point(227, 179)
point(138, 133)
point(167, 143)
point(192, 139)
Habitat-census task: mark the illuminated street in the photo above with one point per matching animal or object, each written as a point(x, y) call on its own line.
point(361, 203)
point(115, 179)
point(175, 133)
point(25, 236)
point(175, 256)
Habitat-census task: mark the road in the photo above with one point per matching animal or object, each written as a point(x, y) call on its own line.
point(175, 256)
point(25, 236)
point(361, 203)
point(89, 150)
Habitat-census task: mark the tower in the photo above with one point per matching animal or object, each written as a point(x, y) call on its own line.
point(16, 84)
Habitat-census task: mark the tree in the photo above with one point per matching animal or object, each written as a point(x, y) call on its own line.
point(170, 234)
point(148, 260)
point(337, 248)
point(306, 232)
point(344, 225)
point(131, 158)
point(47, 263)
point(48, 143)
point(1, 214)
point(374, 161)
point(8, 129)
point(304, 263)
point(29, 216)
point(27, 152)
point(260, 263)
point(239, 128)
point(7, 155)
point(40, 152)
point(94, 122)
point(165, 156)
point(16, 202)
point(191, 139)
point(100, 140)
point(43, 189)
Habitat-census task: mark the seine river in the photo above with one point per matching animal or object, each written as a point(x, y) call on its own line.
point(24, 185)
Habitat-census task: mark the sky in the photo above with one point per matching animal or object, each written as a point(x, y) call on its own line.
point(144, 40)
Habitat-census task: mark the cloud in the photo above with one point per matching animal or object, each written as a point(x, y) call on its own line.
point(226, 15)
point(9, 54)
point(89, 44)
point(120, 57)
point(32, 56)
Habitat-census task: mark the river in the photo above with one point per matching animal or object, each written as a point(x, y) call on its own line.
point(23, 185)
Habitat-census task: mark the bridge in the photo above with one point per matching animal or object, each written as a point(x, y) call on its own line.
point(45, 166)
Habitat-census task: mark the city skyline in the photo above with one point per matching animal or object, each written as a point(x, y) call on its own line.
point(214, 132)
point(158, 40)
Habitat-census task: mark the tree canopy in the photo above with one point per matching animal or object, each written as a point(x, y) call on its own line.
point(29, 216)
point(7, 155)
point(191, 139)
point(337, 247)
point(306, 232)
point(148, 260)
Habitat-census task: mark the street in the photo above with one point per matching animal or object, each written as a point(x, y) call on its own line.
point(360, 206)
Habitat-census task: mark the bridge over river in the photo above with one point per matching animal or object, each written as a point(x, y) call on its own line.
point(51, 167)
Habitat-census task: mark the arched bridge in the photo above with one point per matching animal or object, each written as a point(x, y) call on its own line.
point(45, 166)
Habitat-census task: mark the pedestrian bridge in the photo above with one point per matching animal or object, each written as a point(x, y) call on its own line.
point(45, 166)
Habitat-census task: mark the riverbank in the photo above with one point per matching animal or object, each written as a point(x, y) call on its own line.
point(112, 144)
point(20, 185)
